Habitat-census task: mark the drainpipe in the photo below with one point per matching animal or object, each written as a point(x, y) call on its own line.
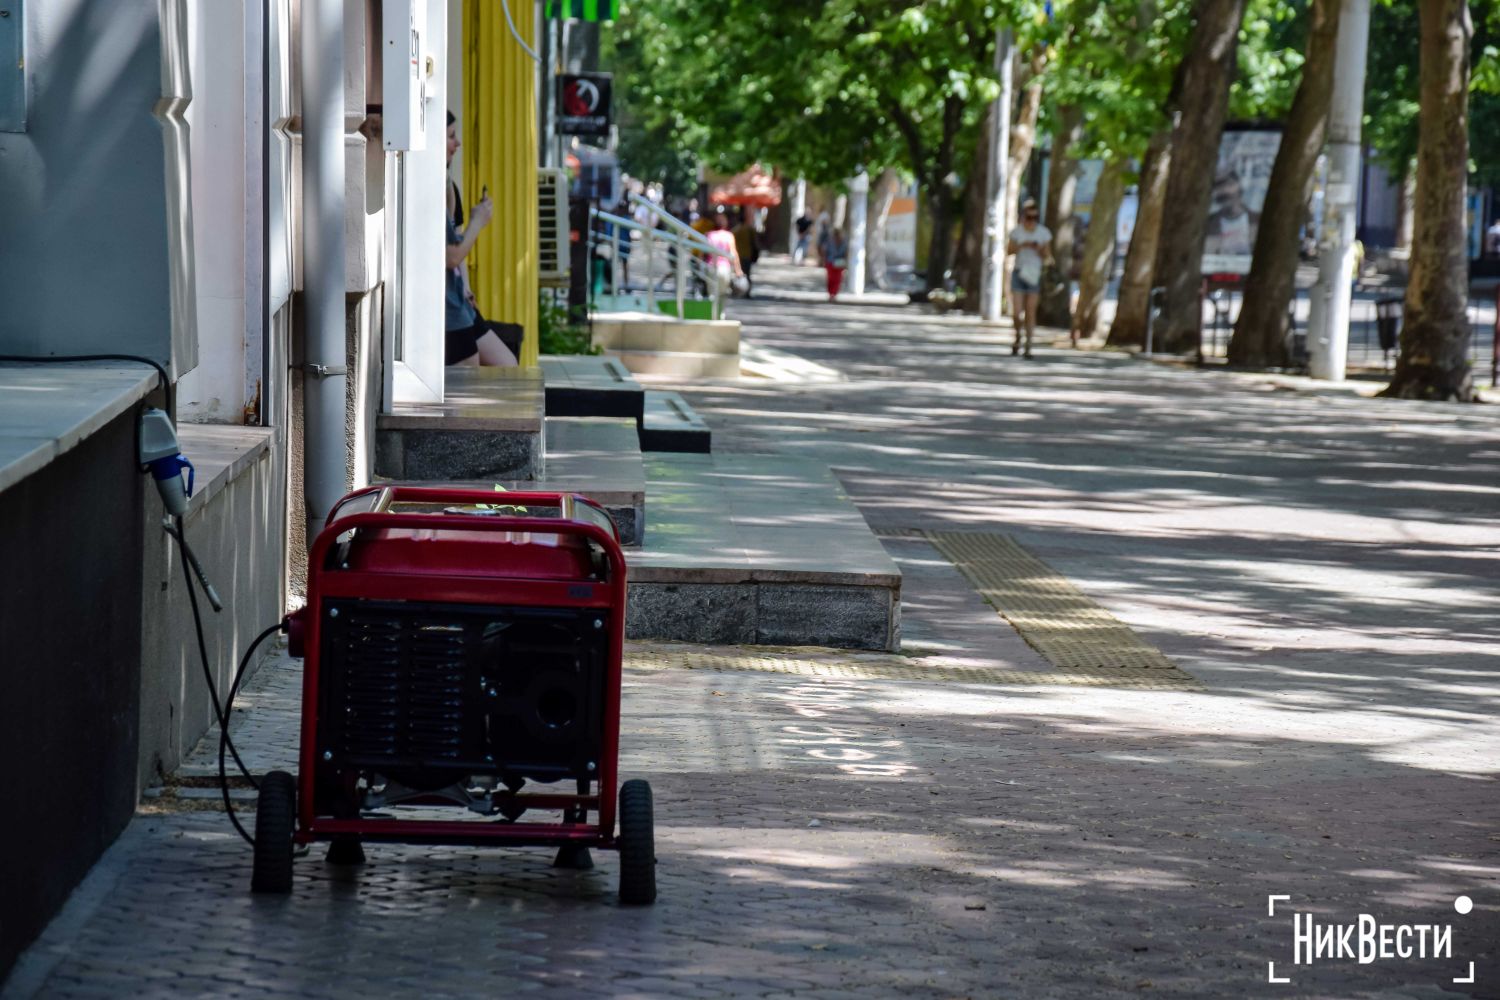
point(325, 452)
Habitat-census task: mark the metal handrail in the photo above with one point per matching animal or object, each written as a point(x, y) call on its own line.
point(687, 241)
point(620, 220)
point(672, 221)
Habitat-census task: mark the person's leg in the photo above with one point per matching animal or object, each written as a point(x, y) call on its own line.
point(1074, 331)
point(1032, 299)
point(458, 347)
point(749, 283)
point(835, 282)
point(1017, 302)
point(493, 352)
point(510, 334)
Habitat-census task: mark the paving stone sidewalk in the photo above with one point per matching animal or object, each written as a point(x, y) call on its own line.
point(1325, 567)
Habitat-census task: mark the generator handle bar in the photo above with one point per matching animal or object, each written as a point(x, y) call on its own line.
point(388, 495)
point(473, 522)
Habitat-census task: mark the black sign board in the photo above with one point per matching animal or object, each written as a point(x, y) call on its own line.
point(583, 103)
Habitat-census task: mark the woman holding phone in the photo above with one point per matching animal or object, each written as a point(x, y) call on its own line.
point(468, 338)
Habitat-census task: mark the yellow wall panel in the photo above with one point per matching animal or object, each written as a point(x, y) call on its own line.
point(500, 150)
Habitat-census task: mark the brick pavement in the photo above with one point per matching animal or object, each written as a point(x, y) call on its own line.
point(1326, 566)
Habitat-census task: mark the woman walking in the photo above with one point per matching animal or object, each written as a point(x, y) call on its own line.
point(1031, 242)
point(833, 252)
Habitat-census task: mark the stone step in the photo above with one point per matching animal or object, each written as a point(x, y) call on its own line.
point(682, 364)
point(489, 426)
point(759, 549)
point(597, 457)
point(670, 424)
point(655, 345)
point(584, 385)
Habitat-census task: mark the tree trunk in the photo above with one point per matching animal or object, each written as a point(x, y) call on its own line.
point(1203, 100)
point(1023, 131)
point(1434, 360)
point(1055, 308)
point(969, 263)
point(1406, 221)
point(940, 242)
point(1099, 247)
point(882, 195)
point(1259, 338)
point(1134, 301)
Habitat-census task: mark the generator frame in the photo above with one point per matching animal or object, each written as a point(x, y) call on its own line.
point(476, 579)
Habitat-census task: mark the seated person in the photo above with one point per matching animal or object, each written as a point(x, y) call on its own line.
point(470, 339)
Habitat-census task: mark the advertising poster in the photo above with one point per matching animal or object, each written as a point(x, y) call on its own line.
point(1246, 157)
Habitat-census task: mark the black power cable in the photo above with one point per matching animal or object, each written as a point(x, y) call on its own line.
point(208, 676)
point(221, 712)
point(224, 741)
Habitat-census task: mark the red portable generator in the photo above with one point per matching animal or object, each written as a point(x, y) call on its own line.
point(458, 654)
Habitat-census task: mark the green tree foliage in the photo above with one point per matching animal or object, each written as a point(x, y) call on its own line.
point(1115, 63)
point(821, 87)
point(1273, 38)
point(1392, 108)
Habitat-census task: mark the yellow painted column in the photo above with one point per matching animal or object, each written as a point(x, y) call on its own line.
point(500, 150)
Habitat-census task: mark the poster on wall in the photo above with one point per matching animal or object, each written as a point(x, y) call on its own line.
point(901, 229)
point(583, 103)
point(1241, 177)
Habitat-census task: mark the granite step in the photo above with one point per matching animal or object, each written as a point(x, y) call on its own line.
point(489, 426)
point(596, 457)
point(759, 549)
point(582, 385)
point(670, 424)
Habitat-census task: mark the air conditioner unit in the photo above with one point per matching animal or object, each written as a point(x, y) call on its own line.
point(552, 199)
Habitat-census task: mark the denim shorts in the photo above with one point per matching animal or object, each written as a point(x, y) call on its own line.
point(1021, 286)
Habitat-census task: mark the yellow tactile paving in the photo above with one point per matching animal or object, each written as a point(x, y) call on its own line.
point(1054, 617)
point(844, 664)
point(1086, 644)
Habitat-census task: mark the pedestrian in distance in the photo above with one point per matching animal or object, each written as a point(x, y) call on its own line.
point(469, 339)
point(804, 237)
point(1031, 243)
point(725, 264)
point(747, 243)
point(833, 251)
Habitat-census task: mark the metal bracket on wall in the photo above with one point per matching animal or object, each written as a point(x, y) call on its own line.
point(323, 371)
point(12, 66)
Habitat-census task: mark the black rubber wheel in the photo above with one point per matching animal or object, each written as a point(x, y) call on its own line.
point(637, 844)
point(275, 819)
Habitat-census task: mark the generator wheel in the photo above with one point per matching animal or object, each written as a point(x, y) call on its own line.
point(637, 844)
point(275, 819)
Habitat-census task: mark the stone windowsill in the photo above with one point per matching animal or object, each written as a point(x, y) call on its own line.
point(48, 410)
point(220, 453)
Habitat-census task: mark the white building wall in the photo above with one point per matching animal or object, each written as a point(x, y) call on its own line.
point(214, 392)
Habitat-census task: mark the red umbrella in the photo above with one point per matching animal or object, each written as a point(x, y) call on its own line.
point(753, 187)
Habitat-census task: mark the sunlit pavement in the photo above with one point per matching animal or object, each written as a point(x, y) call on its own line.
point(1325, 565)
